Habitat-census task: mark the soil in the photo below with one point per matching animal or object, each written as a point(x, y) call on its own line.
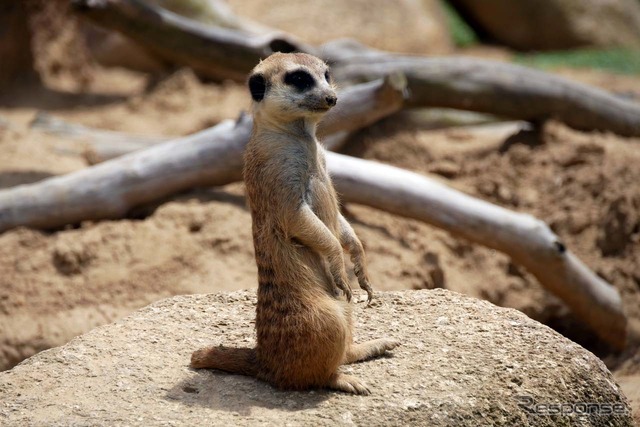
point(401, 25)
point(57, 284)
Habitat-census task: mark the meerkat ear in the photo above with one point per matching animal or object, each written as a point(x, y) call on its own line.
point(257, 86)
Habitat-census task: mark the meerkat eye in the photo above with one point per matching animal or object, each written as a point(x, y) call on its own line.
point(327, 76)
point(300, 79)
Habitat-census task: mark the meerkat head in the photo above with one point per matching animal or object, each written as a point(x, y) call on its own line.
point(291, 86)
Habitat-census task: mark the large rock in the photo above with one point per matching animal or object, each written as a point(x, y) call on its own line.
point(462, 362)
point(556, 24)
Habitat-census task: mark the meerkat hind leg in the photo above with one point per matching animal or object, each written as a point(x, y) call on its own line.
point(348, 384)
point(367, 350)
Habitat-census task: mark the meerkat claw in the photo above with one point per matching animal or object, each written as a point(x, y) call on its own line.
point(369, 296)
point(343, 286)
point(347, 291)
point(366, 286)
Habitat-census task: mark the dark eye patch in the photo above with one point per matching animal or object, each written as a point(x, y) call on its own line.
point(327, 76)
point(257, 86)
point(299, 79)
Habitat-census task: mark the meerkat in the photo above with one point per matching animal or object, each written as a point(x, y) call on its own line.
point(303, 316)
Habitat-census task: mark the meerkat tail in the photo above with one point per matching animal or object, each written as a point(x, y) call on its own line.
point(241, 361)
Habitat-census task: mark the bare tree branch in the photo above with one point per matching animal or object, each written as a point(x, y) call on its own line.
point(214, 52)
point(358, 106)
point(527, 240)
point(479, 85)
point(503, 89)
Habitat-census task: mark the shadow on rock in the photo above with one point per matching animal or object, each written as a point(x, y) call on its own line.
point(235, 393)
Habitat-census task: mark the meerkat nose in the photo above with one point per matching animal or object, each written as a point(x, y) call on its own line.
point(331, 100)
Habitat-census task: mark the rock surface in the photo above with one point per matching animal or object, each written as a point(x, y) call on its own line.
point(556, 24)
point(462, 362)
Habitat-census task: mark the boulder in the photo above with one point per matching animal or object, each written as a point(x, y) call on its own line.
point(555, 24)
point(462, 362)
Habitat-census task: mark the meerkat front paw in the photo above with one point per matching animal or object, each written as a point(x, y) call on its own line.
point(363, 281)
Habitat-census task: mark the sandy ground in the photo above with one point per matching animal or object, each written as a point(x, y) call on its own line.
point(59, 283)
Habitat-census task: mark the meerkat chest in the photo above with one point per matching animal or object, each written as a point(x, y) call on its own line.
point(321, 197)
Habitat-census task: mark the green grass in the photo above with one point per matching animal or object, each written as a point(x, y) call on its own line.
point(461, 33)
point(621, 61)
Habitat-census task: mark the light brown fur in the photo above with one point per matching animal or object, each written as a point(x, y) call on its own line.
point(304, 325)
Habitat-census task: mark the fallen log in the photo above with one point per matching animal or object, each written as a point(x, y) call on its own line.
point(527, 240)
point(361, 105)
point(112, 188)
point(209, 157)
point(479, 85)
point(54, 126)
point(498, 88)
point(214, 157)
point(215, 52)
point(212, 12)
point(358, 107)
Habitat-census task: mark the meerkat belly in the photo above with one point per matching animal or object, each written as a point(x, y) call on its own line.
point(302, 337)
point(323, 201)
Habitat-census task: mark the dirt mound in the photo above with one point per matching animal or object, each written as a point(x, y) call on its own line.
point(200, 243)
point(408, 25)
point(15, 44)
point(462, 362)
point(61, 55)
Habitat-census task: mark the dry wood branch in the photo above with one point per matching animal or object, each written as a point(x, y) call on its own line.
point(112, 188)
point(464, 83)
point(52, 125)
point(213, 12)
point(358, 107)
point(210, 157)
point(502, 89)
point(365, 104)
point(214, 52)
point(526, 239)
